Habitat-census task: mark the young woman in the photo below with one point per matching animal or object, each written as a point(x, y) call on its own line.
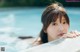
point(55, 24)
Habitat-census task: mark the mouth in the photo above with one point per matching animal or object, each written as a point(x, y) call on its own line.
point(61, 34)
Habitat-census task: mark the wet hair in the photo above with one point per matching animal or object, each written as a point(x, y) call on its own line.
point(51, 14)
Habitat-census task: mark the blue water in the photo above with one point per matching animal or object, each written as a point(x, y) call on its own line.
point(27, 21)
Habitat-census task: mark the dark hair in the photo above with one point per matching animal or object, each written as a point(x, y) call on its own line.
point(51, 14)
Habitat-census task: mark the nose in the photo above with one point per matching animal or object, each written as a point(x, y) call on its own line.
point(61, 28)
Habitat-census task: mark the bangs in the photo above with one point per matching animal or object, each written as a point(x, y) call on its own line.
point(53, 16)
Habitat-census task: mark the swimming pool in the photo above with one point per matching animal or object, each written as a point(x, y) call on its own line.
point(26, 21)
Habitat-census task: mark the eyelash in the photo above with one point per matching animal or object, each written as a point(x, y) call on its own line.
point(54, 23)
point(64, 22)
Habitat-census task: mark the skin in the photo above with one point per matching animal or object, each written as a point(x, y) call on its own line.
point(57, 29)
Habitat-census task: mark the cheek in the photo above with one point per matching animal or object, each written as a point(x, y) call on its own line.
point(66, 27)
point(51, 31)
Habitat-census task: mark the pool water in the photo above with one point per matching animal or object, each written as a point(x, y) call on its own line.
point(26, 21)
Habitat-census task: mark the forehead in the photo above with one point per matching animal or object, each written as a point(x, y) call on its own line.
point(60, 19)
point(63, 18)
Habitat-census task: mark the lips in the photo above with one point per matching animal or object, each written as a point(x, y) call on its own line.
point(61, 34)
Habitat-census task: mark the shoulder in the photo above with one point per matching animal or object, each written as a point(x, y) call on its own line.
point(37, 42)
point(30, 40)
point(34, 41)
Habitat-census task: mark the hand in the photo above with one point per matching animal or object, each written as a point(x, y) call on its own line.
point(72, 34)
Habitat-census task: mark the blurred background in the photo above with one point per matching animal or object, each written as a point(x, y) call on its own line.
point(23, 17)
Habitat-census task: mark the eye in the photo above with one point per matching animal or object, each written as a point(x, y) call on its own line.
point(64, 22)
point(54, 23)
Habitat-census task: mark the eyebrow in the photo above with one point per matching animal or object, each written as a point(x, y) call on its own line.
point(63, 19)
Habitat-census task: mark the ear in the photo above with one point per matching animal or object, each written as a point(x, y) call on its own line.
point(45, 31)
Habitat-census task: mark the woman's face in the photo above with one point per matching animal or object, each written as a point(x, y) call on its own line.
point(57, 29)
